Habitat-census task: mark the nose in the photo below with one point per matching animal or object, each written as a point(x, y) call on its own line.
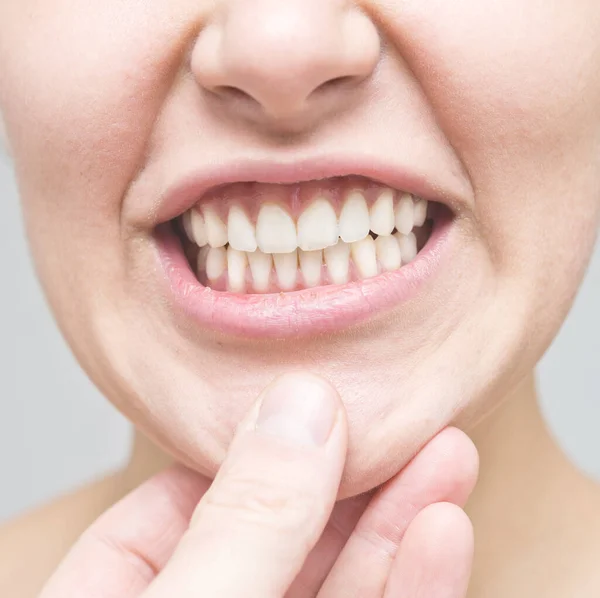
point(285, 59)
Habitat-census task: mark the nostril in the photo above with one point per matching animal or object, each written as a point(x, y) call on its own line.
point(332, 84)
point(231, 92)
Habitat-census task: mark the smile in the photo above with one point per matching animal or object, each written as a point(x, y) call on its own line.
point(286, 259)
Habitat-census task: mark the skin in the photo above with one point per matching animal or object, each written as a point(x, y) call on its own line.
point(106, 101)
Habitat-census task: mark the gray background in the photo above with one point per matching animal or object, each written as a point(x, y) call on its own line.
point(56, 431)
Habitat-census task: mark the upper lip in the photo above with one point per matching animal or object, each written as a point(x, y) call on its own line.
point(192, 186)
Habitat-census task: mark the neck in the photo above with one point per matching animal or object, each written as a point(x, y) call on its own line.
point(534, 514)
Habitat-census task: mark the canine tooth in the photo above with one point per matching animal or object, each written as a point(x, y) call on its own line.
point(310, 265)
point(354, 218)
point(275, 230)
point(408, 246)
point(236, 270)
point(216, 262)
point(198, 228)
point(202, 258)
point(261, 265)
point(382, 213)
point(286, 266)
point(186, 220)
point(240, 231)
point(364, 256)
point(388, 253)
point(317, 226)
point(337, 259)
point(420, 212)
point(216, 231)
point(405, 214)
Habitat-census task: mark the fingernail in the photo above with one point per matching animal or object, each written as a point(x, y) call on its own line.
point(298, 408)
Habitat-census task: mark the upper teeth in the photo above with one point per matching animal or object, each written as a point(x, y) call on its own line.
point(318, 226)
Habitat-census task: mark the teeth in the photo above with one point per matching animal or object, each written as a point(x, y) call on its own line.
point(198, 228)
point(337, 261)
point(216, 231)
point(364, 256)
point(310, 265)
point(286, 266)
point(236, 270)
point(420, 212)
point(260, 267)
point(354, 218)
point(317, 226)
point(405, 214)
point(186, 220)
point(240, 230)
point(382, 214)
point(216, 262)
point(202, 258)
point(388, 253)
point(408, 246)
point(275, 230)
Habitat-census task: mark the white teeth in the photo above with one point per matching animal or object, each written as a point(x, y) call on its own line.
point(354, 218)
point(405, 214)
point(260, 267)
point(408, 246)
point(364, 256)
point(317, 226)
point(420, 212)
point(388, 253)
point(216, 231)
point(382, 214)
point(202, 258)
point(236, 270)
point(286, 266)
point(240, 230)
point(275, 230)
point(186, 220)
point(310, 265)
point(337, 261)
point(196, 223)
point(216, 262)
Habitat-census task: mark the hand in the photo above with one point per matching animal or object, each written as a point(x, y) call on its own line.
point(267, 526)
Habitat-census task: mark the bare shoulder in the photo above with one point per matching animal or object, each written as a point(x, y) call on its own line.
point(32, 546)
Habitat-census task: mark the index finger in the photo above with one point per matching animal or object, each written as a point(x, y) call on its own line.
point(123, 551)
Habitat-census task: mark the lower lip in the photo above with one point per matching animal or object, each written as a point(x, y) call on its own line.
point(300, 313)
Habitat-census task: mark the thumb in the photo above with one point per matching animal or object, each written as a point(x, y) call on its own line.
point(270, 501)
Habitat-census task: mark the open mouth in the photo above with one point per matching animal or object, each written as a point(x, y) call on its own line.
point(256, 238)
point(281, 259)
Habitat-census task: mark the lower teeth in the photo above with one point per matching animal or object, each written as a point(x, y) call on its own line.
point(227, 269)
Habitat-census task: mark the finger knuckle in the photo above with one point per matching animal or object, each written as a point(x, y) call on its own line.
point(263, 502)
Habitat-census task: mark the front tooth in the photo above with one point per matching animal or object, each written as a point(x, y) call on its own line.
point(364, 256)
point(240, 230)
point(275, 230)
point(216, 262)
point(405, 214)
point(337, 259)
point(198, 228)
point(317, 226)
point(354, 218)
point(216, 231)
point(388, 253)
point(310, 265)
point(408, 246)
point(236, 270)
point(420, 212)
point(286, 266)
point(382, 214)
point(186, 220)
point(261, 265)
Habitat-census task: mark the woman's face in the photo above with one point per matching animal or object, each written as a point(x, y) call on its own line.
point(123, 115)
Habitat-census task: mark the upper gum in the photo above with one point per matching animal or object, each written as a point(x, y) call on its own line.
point(293, 198)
